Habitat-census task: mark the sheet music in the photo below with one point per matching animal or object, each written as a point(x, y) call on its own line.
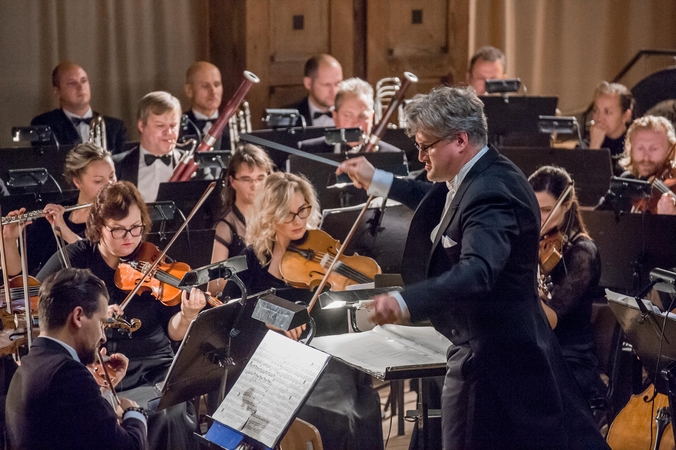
point(390, 347)
point(271, 388)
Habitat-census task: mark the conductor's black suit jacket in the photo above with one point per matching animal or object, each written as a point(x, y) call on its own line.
point(476, 283)
point(66, 134)
point(55, 403)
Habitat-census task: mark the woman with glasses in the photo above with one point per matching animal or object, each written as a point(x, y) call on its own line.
point(246, 173)
point(343, 406)
point(117, 224)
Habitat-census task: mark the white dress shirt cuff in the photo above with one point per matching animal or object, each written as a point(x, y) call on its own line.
point(381, 183)
point(405, 314)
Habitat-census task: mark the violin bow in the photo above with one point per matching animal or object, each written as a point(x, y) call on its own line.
point(152, 266)
point(107, 377)
point(3, 265)
point(559, 202)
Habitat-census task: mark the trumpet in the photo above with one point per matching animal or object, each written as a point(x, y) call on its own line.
point(27, 217)
point(97, 132)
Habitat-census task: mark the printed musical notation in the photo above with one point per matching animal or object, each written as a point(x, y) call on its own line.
point(271, 388)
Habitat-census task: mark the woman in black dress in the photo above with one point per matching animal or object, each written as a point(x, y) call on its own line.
point(574, 280)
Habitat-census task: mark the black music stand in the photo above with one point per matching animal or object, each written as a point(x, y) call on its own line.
point(591, 170)
point(513, 120)
point(185, 195)
point(50, 157)
point(656, 352)
point(192, 246)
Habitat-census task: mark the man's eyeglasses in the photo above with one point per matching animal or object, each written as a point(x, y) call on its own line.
point(249, 180)
point(121, 233)
point(302, 213)
point(426, 148)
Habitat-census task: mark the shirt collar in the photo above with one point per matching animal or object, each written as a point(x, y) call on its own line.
point(72, 116)
point(457, 180)
point(70, 349)
point(200, 116)
point(313, 108)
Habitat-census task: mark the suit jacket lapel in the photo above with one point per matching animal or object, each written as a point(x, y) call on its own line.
point(481, 165)
point(69, 128)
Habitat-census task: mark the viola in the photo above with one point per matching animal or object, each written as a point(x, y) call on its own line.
point(103, 372)
point(551, 251)
point(305, 263)
point(641, 422)
point(162, 281)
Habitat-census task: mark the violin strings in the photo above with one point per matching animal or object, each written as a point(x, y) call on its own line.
point(343, 269)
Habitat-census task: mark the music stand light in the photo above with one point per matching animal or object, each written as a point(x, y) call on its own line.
point(37, 135)
point(213, 159)
point(283, 118)
point(663, 280)
point(502, 86)
point(24, 179)
point(335, 136)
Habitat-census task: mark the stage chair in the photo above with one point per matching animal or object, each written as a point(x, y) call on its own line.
point(301, 436)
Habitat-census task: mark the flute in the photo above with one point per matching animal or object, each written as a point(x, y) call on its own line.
point(27, 217)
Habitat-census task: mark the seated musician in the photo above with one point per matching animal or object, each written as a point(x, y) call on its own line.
point(322, 74)
point(87, 168)
point(246, 173)
point(613, 108)
point(53, 400)
point(649, 154)
point(70, 122)
point(153, 162)
point(116, 227)
point(343, 405)
point(354, 108)
point(204, 89)
point(573, 282)
point(487, 63)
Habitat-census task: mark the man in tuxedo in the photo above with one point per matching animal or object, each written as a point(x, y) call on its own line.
point(322, 74)
point(469, 266)
point(53, 400)
point(353, 108)
point(487, 63)
point(70, 122)
point(154, 160)
point(204, 88)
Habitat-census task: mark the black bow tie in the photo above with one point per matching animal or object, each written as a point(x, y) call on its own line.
point(201, 123)
point(317, 115)
point(77, 121)
point(150, 159)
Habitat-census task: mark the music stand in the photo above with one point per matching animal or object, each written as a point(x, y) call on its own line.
point(185, 195)
point(513, 120)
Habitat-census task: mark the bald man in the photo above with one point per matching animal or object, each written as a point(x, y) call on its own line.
point(70, 122)
point(322, 75)
point(204, 89)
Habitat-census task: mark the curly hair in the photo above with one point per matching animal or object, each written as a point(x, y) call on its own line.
point(114, 202)
point(271, 208)
point(646, 123)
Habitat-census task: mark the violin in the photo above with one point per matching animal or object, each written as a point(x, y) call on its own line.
point(16, 293)
point(551, 251)
point(305, 263)
point(642, 423)
point(163, 279)
point(663, 184)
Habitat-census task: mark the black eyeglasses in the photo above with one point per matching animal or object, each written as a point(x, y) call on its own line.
point(121, 233)
point(426, 148)
point(302, 213)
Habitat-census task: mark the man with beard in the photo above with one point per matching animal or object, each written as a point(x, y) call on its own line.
point(53, 400)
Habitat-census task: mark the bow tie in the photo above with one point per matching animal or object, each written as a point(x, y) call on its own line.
point(150, 159)
point(201, 123)
point(77, 121)
point(318, 114)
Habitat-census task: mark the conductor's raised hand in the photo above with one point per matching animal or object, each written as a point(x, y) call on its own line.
point(385, 309)
point(360, 171)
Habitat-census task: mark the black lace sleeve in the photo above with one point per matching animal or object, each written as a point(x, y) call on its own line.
point(576, 277)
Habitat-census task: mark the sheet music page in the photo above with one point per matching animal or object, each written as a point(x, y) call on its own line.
point(380, 349)
point(270, 389)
